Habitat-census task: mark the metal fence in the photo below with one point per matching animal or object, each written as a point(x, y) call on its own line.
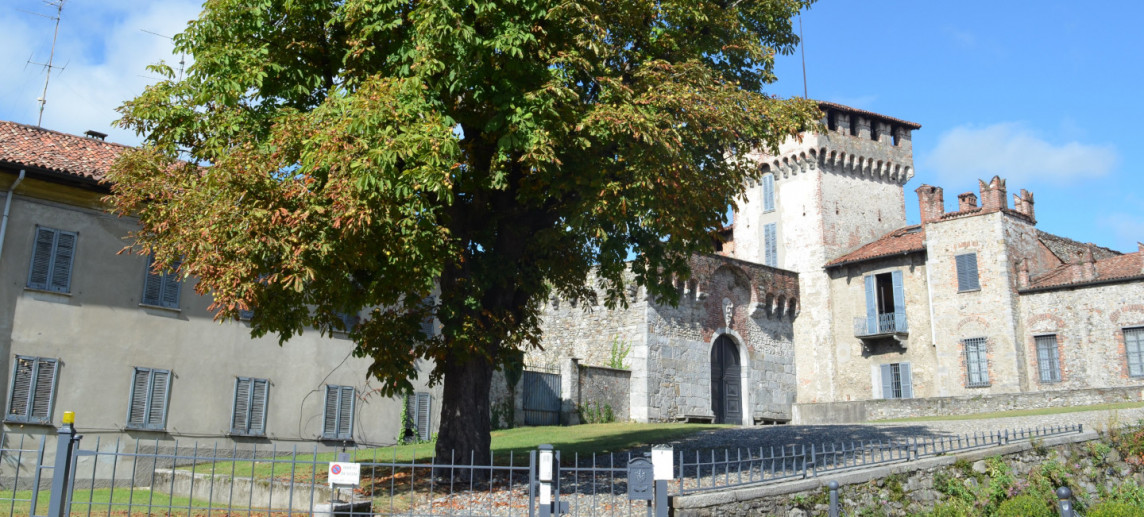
point(141, 477)
point(712, 470)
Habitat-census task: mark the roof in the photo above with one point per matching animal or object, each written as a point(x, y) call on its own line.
point(824, 105)
point(1118, 267)
point(1068, 250)
point(901, 241)
point(70, 156)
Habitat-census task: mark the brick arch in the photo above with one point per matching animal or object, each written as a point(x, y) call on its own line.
point(1131, 315)
point(972, 326)
point(1056, 324)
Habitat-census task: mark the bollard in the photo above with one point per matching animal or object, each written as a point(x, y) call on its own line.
point(1064, 502)
point(833, 485)
point(58, 504)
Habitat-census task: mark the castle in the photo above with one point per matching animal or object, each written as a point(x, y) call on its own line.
point(886, 318)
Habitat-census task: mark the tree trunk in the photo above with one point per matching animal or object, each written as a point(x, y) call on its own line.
point(465, 426)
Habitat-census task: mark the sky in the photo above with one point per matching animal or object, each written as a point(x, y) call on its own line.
point(1041, 93)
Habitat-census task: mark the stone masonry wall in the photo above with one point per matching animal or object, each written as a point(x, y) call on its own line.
point(605, 387)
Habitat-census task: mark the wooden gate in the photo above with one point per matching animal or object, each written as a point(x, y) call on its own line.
point(726, 387)
point(541, 398)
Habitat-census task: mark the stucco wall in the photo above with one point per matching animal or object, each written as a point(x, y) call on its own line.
point(99, 332)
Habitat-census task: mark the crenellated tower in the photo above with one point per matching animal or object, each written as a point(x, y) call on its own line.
point(823, 195)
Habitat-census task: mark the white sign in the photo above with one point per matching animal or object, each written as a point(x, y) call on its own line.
point(663, 463)
point(545, 493)
point(343, 473)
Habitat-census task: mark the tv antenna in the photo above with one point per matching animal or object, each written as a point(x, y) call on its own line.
point(182, 56)
point(48, 67)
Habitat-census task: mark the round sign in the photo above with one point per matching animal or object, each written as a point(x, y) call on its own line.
point(336, 469)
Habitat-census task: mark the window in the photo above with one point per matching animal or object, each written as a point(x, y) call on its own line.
point(161, 289)
point(976, 363)
point(1134, 346)
point(768, 193)
point(33, 388)
point(770, 243)
point(149, 394)
point(338, 418)
point(349, 321)
point(52, 260)
point(1048, 358)
point(885, 304)
point(249, 415)
point(417, 415)
point(967, 272)
point(896, 381)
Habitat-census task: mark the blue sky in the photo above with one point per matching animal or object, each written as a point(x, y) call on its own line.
point(1043, 93)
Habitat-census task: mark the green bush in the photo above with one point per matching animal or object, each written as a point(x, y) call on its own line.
point(952, 508)
point(1115, 509)
point(1025, 506)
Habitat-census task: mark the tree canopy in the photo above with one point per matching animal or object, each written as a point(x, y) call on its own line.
point(447, 159)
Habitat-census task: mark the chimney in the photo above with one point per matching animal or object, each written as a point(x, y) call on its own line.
point(95, 135)
point(993, 194)
point(1023, 274)
point(1088, 265)
point(966, 201)
point(1023, 203)
point(932, 203)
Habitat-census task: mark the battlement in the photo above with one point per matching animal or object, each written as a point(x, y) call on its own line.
point(931, 202)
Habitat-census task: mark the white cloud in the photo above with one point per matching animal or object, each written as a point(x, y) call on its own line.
point(1017, 153)
point(106, 53)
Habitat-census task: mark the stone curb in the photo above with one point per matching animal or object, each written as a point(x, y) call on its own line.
point(852, 477)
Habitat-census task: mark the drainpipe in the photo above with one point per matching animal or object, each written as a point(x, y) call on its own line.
point(7, 207)
point(932, 321)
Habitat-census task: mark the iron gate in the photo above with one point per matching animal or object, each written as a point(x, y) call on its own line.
point(541, 398)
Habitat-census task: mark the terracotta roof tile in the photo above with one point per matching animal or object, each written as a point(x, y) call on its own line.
point(72, 156)
point(903, 240)
point(1130, 265)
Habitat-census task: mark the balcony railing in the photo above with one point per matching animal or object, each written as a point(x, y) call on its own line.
point(880, 325)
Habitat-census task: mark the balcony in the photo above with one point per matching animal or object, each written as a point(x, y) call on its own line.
point(882, 325)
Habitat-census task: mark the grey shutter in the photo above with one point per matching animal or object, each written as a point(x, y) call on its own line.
point(899, 302)
point(871, 305)
point(43, 389)
point(137, 411)
point(153, 284)
point(423, 413)
point(346, 413)
point(258, 393)
point(240, 417)
point(1133, 345)
point(171, 286)
point(160, 389)
point(20, 398)
point(330, 414)
point(907, 380)
point(770, 243)
point(887, 381)
point(62, 262)
point(41, 266)
point(768, 193)
point(967, 279)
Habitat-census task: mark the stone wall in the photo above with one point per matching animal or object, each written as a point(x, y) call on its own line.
point(884, 409)
point(605, 387)
point(912, 488)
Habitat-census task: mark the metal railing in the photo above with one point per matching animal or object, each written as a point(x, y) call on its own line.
point(712, 470)
point(881, 324)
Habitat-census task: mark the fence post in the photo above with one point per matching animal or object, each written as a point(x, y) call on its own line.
point(1064, 501)
point(833, 498)
point(61, 473)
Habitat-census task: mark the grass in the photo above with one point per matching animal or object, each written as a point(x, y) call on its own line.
point(104, 501)
point(1020, 412)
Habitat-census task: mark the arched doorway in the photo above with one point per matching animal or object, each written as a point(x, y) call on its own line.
point(726, 390)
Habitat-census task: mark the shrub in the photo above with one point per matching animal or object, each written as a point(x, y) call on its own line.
point(952, 508)
point(1025, 506)
point(1115, 509)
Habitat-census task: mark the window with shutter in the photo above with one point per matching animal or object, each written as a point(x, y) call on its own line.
point(33, 390)
point(161, 289)
point(1134, 347)
point(1048, 358)
point(52, 256)
point(967, 279)
point(769, 193)
point(423, 415)
point(338, 417)
point(896, 381)
point(976, 363)
point(770, 243)
point(150, 392)
point(249, 415)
